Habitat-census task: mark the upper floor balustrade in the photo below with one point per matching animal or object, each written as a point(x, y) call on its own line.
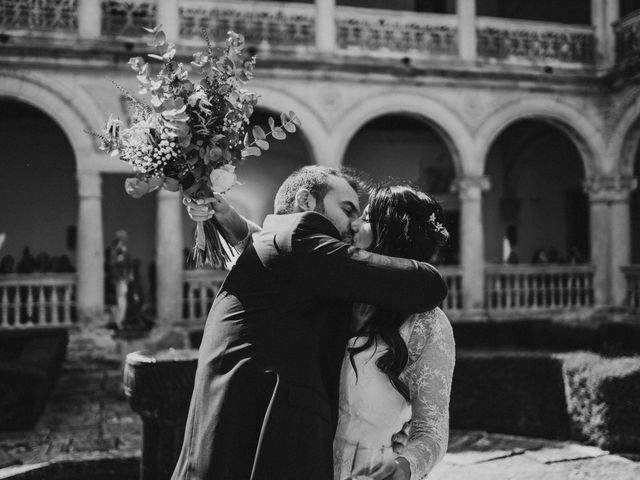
point(309, 30)
point(627, 31)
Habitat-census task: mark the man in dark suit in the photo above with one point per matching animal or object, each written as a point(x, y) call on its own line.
point(264, 406)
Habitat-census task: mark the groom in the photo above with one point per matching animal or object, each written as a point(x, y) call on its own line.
point(264, 405)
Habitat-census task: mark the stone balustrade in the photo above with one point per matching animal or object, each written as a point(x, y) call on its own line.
point(39, 16)
point(632, 275)
point(48, 300)
point(364, 32)
point(525, 289)
point(452, 275)
point(627, 32)
point(127, 19)
point(199, 289)
point(519, 41)
point(37, 300)
point(262, 23)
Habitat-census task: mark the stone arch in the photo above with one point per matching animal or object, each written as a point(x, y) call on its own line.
point(569, 120)
point(313, 130)
point(625, 140)
point(70, 109)
point(451, 129)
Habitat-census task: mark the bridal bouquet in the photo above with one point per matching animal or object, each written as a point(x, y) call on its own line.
point(190, 135)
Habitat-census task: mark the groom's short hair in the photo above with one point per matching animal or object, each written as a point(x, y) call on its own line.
point(313, 178)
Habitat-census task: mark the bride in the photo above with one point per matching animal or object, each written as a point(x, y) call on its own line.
point(397, 368)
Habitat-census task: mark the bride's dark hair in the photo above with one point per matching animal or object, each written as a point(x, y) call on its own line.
point(406, 223)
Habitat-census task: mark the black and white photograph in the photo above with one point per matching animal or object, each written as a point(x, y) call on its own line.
point(319, 240)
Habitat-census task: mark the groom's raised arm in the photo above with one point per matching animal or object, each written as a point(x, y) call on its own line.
point(336, 270)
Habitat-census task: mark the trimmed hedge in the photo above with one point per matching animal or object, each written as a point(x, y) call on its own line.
point(608, 338)
point(579, 395)
point(28, 370)
point(603, 398)
point(510, 392)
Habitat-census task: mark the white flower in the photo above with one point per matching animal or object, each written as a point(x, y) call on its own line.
point(223, 178)
point(196, 96)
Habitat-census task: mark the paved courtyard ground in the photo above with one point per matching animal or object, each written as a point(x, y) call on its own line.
point(88, 419)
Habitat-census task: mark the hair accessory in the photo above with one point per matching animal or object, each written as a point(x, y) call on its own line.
point(438, 227)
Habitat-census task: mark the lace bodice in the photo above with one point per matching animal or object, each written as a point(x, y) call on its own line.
point(371, 410)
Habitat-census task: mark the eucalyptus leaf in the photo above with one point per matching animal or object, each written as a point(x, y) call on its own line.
point(278, 133)
point(154, 29)
point(160, 38)
point(258, 133)
point(262, 144)
point(283, 118)
point(254, 151)
point(294, 118)
point(290, 127)
point(251, 152)
point(272, 123)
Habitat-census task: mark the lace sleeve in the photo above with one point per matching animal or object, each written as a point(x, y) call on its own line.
point(428, 375)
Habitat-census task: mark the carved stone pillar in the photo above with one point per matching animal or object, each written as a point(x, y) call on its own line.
point(471, 240)
point(326, 25)
point(90, 248)
point(467, 42)
point(168, 16)
point(610, 235)
point(89, 19)
point(169, 244)
point(603, 14)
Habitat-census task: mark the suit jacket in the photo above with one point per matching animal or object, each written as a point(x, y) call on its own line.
point(265, 401)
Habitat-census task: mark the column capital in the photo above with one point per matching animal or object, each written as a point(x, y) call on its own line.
point(89, 184)
point(470, 187)
point(609, 189)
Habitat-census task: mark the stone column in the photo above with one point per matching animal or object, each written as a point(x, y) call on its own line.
point(90, 248)
point(603, 14)
point(168, 16)
point(472, 241)
point(610, 236)
point(466, 10)
point(326, 25)
point(169, 244)
point(89, 19)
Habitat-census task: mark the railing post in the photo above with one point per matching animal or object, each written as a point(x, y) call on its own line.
point(603, 14)
point(467, 38)
point(169, 259)
point(472, 241)
point(326, 25)
point(168, 15)
point(90, 246)
point(89, 19)
point(610, 236)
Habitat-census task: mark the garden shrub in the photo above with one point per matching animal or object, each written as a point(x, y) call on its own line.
point(619, 338)
point(578, 395)
point(28, 375)
point(521, 393)
point(603, 399)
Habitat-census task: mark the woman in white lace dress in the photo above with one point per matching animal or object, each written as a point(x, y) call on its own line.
point(397, 367)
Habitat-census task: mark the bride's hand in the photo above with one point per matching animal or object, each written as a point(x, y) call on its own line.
point(389, 469)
